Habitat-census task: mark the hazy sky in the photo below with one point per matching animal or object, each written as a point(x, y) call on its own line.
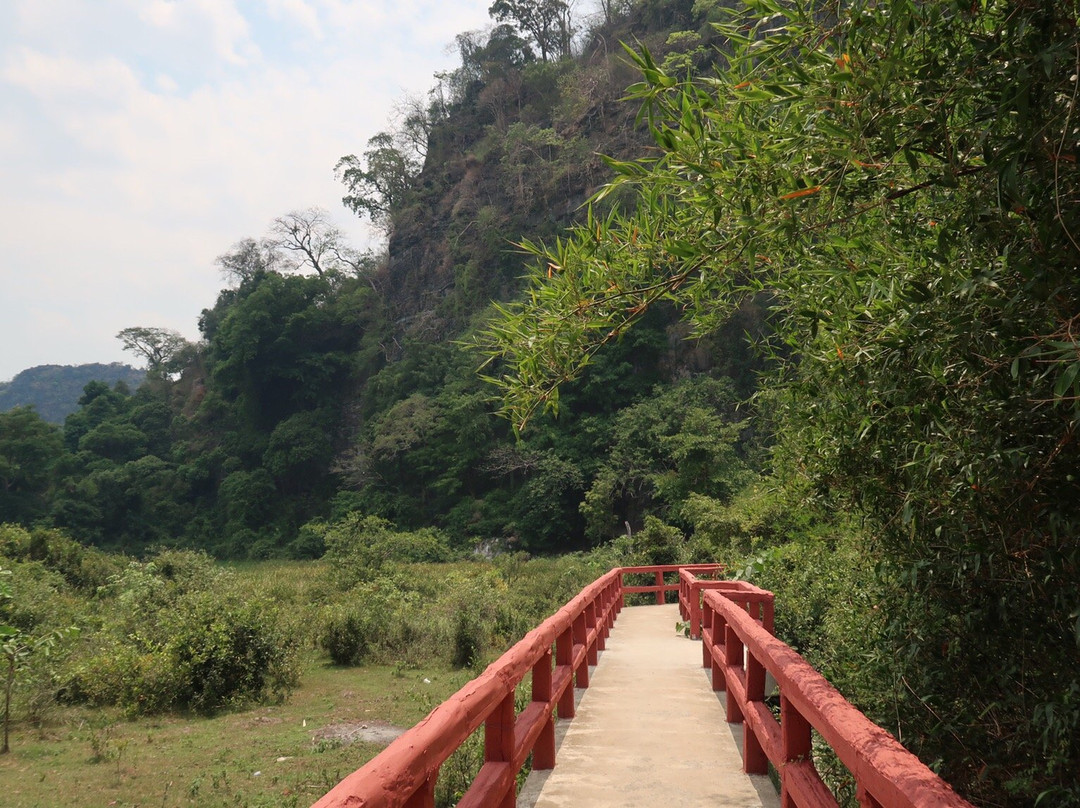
point(140, 139)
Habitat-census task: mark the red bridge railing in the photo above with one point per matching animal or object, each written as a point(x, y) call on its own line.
point(557, 653)
point(740, 650)
point(757, 602)
point(735, 621)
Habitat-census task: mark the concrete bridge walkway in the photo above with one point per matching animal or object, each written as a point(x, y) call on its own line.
point(649, 730)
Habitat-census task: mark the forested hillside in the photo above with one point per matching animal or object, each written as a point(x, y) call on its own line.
point(54, 390)
point(900, 179)
point(329, 381)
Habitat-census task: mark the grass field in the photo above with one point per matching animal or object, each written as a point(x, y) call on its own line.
point(287, 754)
point(278, 755)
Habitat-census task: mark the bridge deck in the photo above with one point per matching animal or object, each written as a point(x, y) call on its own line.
point(649, 730)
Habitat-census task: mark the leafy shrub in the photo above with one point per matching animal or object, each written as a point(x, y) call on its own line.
point(469, 639)
point(118, 673)
point(84, 568)
point(39, 598)
point(358, 546)
point(347, 634)
point(467, 613)
point(227, 651)
point(177, 635)
point(382, 619)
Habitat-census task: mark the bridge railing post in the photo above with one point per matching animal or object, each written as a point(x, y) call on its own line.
point(660, 588)
point(601, 620)
point(733, 665)
point(542, 691)
point(755, 759)
point(592, 638)
point(706, 633)
point(424, 797)
point(718, 651)
point(564, 661)
point(796, 745)
point(581, 641)
point(499, 748)
point(684, 595)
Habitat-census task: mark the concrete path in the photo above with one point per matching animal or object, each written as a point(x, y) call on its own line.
point(649, 730)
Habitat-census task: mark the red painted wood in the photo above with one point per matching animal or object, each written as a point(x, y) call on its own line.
point(528, 728)
point(489, 788)
point(424, 797)
point(499, 732)
point(736, 621)
point(762, 724)
point(885, 772)
point(592, 633)
point(802, 788)
point(717, 652)
point(865, 799)
point(795, 736)
point(581, 662)
point(543, 696)
point(564, 659)
point(733, 674)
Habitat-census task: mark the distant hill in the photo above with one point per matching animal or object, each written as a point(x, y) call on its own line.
point(54, 390)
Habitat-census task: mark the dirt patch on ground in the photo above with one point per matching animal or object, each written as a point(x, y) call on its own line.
point(350, 732)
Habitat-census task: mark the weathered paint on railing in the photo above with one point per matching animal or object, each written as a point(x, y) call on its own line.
point(735, 620)
point(757, 602)
point(558, 653)
point(659, 586)
point(739, 651)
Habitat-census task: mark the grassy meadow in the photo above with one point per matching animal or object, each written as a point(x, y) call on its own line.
point(119, 713)
point(284, 754)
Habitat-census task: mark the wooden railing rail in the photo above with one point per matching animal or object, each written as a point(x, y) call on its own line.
point(739, 651)
point(757, 602)
point(558, 653)
point(660, 586)
point(735, 623)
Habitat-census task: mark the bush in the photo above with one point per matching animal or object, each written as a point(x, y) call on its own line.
point(467, 614)
point(358, 546)
point(177, 636)
point(227, 651)
point(84, 568)
point(347, 634)
point(118, 673)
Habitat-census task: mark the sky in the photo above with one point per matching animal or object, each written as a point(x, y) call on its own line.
point(141, 139)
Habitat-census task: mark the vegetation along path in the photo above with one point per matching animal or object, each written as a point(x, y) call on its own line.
point(649, 730)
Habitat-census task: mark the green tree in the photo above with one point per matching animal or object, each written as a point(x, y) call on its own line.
point(546, 22)
point(380, 183)
point(246, 260)
point(163, 349)
point(900, 179)
point(29, 451)
point(679, 441)
point(19, 651)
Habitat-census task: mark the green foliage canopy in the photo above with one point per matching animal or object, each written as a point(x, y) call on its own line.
point(901, 179)
point(29, 448)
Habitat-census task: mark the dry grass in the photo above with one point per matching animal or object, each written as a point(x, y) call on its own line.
point(278, 755)
point(265, 756)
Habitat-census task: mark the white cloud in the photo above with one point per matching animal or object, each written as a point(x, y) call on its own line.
point(219, 21)
point(299, 12)
point(64, 79)
point(139, 140)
